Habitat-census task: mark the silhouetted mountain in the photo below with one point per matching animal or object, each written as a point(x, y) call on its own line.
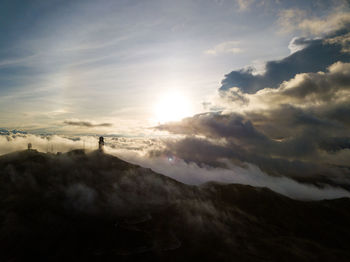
point(96, 207)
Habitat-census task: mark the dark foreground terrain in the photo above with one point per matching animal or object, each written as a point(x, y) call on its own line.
point(96, 207)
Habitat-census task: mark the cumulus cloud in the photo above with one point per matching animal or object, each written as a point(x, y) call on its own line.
point(312, 88)
point(294, 129)
point(309, 55)
point(296, 152)
point(86, 124)
point(292, 121)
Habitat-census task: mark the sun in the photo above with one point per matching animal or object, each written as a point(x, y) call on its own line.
point(172, 107)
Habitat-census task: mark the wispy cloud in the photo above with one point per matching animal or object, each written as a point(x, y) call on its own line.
point(229, 47)
point(244, 4)
point(86, 124)
point(297, 19)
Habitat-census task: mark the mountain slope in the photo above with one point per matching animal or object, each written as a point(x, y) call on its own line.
point(96, 207)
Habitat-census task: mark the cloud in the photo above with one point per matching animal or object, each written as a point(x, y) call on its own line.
point(309, 55)
point(327, 25)
point(235, 137)
point(313, 87)
point(288, 19)
point(342, 40)
point(10, 142)
point(148, 153)
point(299, 129)
point(45, 143)
point(297, 19)
point(194, 174)
point(86, 124)
point(229, 47)
point(298, 43)
point(244, 4)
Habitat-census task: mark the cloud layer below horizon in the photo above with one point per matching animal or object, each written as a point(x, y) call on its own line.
point(137, 151)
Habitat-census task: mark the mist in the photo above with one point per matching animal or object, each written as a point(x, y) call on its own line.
point(193, 174)
point(136, 151)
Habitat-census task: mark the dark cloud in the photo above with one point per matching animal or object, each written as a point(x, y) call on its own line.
point(216, 125)
point(297, 157)
point(318, 86)
point(240, 134)
point(338, 112)
point(316, 56)
point(86, 124)
point(235, 137)
point(335, 144)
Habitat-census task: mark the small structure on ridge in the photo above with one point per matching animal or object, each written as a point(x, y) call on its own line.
point(101, 144)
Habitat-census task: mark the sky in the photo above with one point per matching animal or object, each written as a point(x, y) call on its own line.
point(126, 66)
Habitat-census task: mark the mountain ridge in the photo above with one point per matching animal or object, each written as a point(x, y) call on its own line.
point(95, 206)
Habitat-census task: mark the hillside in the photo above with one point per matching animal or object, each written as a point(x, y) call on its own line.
point(96, 207)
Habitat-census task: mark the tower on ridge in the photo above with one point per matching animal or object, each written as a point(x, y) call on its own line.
point(101, 144)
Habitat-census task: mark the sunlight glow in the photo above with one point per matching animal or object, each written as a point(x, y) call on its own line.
point(172, 107)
